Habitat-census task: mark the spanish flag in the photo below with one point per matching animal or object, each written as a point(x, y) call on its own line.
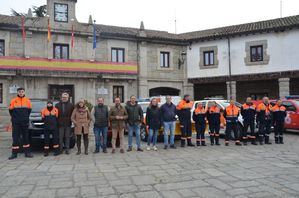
point(49, 31)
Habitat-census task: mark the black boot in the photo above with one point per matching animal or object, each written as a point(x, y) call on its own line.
point(56, 152)
point(261, 140)
point(276, 140)
point(79, 145)
point(203, 143)
point(253, 140)
point(86, 145)
point(212, 139)
point(245, 141)
point(28, 154)
point(189, 142)
point(46, 152)
point(197, 143)
point(183, 142)
point(281, 140)
point(217, 141)
point(13, 156)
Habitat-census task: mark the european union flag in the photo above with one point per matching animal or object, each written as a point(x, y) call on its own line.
point(94, 37)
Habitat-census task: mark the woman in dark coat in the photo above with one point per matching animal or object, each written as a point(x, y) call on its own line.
point(153, 123)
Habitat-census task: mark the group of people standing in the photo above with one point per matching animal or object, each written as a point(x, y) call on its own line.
point(58, 121)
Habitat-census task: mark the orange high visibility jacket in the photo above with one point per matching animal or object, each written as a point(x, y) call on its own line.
point(231, 113)
point(248, 112)
point(213, 115)
point(199, 114)
point(50, 118)
point(184, 110)
point(264, 112)
point(279, 113)
point(20, 109)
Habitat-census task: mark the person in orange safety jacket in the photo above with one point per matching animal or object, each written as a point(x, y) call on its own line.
point(231, 114)
point(199, 117)
point(248, 112)
point(184, 113)
point(50, 118)
point(213, 116)
point(279, 114)
point(264, 119)
point(19, 110)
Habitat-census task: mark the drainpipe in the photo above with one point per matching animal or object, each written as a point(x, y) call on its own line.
point(229, 69)
point(138, 68)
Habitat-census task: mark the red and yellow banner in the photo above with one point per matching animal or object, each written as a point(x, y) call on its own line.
point(67, 65)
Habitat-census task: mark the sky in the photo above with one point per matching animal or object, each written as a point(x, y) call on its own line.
point(190, 15)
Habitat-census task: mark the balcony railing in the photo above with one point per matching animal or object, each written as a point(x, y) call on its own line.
point(43, 64)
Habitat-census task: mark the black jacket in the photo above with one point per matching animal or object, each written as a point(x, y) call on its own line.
point(65, 112)
point(248, 112)
point(199, 118)
point(153, 117)
point(168, 112)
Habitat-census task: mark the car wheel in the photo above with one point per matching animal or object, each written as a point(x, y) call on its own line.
point(143, 133)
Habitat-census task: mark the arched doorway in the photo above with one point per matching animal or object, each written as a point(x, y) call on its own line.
point(164, 91)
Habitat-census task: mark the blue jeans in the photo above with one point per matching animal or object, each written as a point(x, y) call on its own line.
point(98, 133)
point(153, 135)
point(136, 128)
point(169, 126)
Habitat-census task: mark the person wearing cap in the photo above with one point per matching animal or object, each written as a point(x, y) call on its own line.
point(19, 110)
point(50, 115)
point(81, 118)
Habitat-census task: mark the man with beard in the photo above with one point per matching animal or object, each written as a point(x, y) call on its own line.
point(50, 115)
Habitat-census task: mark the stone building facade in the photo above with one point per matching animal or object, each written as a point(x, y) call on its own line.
point(142, 62)
point(125, 62)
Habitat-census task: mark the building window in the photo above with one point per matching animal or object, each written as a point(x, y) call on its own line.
point(118, 91)
point(61, 51)
point(208, 58)
point(256, 53)
point(164, 59)
point(2, 48)
point(1, 93)
point(118, 55)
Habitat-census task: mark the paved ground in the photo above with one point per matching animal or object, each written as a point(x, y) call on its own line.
point(252, 171)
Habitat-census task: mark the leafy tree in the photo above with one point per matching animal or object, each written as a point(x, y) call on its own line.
point(38, 11)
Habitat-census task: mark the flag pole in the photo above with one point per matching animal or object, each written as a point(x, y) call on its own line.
point(23, 35)
point(72, 38)
point(94, 42)
point(48, 35)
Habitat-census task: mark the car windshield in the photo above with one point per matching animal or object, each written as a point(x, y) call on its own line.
point(226, 103)
point(37, 106)
point(144, 107)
